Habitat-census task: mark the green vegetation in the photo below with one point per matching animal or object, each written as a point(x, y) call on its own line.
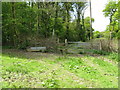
point(86, 59)
point(27, 23)
point(37, 70)
point(111, 10)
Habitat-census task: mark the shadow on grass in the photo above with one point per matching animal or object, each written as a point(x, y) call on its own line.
point(33, 55)
point(23, 54)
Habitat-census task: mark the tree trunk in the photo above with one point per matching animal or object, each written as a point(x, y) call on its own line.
point(83, 29)
point(38, 18)
point(67, 25)
point(14, 26)
point(56, 17)
point(109, 27)
point(78, 24)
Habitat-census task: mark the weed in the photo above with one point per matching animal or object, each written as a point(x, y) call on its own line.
point(50, 83)
point(113, 56)
point(100, 52)
point(61, 71)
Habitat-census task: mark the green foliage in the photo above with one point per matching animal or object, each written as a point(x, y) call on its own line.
point(7, 47)
point(100, 52)
point(98, 34)
point(50, 83)
point(23, 45)
point(113, 56)
point(26, 21)
point(111, 10)
point(87, 27)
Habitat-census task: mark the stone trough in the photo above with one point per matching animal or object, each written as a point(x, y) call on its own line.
point(36, 49)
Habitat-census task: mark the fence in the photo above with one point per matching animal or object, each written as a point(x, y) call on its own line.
point(101, 44)
point(87, 45)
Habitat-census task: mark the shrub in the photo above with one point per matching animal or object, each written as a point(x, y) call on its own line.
point(101, 52)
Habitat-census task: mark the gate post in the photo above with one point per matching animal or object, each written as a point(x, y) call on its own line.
point(66, 42)
point(100, 45)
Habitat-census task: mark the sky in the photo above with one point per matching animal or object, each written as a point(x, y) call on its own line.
point(100, 22)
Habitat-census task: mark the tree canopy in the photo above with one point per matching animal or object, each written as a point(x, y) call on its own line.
point(26, 21)
point(111, 11)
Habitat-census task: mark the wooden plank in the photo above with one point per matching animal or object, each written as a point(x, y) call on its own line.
point(43, 49)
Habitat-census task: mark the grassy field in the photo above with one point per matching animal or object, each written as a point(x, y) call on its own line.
point(21, 69)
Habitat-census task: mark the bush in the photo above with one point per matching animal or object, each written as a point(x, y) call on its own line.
point(114, 56)
point(107, 45)
point(23, 45)
point(100, 52)
point(7, 47)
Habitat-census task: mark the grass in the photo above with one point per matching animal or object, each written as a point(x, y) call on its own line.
point(22, 69)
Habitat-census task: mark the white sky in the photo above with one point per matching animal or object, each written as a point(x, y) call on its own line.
point(100, 22)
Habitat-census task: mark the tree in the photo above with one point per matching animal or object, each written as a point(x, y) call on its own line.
point(24, 22)
point(110, 11)
point(98, 34)
point(67, 7)
point(87, 27)
point(80, 6)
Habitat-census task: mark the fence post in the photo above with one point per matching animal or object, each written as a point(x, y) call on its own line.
point(100, 44)
point(58, 41)
point(66, 42)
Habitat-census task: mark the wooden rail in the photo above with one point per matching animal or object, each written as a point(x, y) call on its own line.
point(92, 45)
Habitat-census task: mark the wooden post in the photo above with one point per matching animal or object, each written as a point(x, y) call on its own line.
point(58, 41)
point(66, 42)
point(53, 33)
point(110, 35)
point(100, 45)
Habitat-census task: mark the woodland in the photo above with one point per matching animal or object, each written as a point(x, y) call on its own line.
point(23, 22)
point(73, 54)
